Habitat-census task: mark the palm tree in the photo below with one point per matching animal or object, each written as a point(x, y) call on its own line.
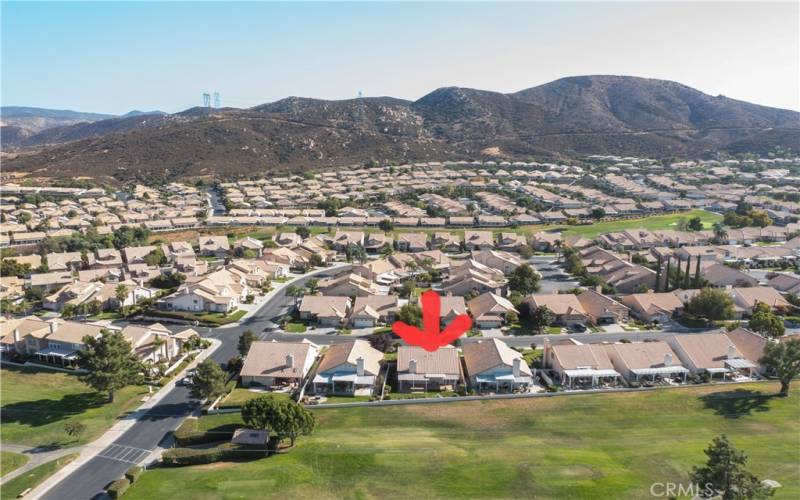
point(121, 293)
point(720, 234)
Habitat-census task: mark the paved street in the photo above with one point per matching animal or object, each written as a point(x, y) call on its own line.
point(554, 277)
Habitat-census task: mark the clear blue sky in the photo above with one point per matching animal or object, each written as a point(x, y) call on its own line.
point(114, 57)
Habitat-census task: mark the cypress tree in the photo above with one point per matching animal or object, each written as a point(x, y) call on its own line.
point(697, 274)
point(666, 281)
point(688, 277)
point(658, 273)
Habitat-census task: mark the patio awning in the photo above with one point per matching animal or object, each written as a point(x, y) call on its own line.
point(660, 370)
point(59, 354)
point(421, 377)
point(589, 372)
point(504, 378)
point(739, 363)
point(717, 370)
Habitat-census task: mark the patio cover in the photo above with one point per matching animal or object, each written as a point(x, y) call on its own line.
point(739, 363)
point(589, 372)
point(660, 370)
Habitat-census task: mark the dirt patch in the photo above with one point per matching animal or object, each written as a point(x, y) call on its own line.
point(215, 466)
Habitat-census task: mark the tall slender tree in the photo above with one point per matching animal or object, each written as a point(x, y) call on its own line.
point(688, 275)
point(658, 274)
point(697, 274)
point(666, 280)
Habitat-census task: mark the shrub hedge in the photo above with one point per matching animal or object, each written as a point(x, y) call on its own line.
point(133, 473)
point(192, 456)
point(188, 436)
point(118, 487)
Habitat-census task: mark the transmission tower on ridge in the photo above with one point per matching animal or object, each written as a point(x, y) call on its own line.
point(216, 100)
point(206, 100)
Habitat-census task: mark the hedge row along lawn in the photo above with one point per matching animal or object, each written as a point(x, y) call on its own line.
point(576, 446)
point(37, 402)
point(33, 477)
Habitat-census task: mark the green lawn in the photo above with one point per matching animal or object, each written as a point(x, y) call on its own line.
point(33, 477)
point(36, 403)
point(652, 223)
point(579, 446)
point(295, 327)
point(420, 395)
point(10, 461)
point(241, 395)
point(212, 319)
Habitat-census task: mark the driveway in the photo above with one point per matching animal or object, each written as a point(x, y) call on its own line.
point(554, 278)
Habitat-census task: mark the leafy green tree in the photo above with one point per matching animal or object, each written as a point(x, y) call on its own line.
point(765, 322)
point(111, 363)
point(316, 260)
point(783, 359)
point(524, 280)
point(410, 314)
point(156, 258)
point(303, 232)
point(386, 225)
point(538, 318)
point(695, 224)
point(598, 213)
point(121, 293)
point(573, 264)
point(720, 233)
point(725, 473)
point(312, 285)
point(760, 218)
point(711, 304)
point(284, 417)
point(209, 380)
point(11, 267)
point(74, 429)
point(245, 340)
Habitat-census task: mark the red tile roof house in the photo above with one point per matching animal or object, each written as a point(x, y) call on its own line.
point(712, 353)
point(642, 361)
point(581, 365)
point(349, 369)
point(278, 364)
point(492, 366)
point(420, 370)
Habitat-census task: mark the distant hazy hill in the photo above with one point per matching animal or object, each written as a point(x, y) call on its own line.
point(577, 115)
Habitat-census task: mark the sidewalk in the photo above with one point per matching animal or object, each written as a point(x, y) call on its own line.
point(36, 457)
point(92, 449)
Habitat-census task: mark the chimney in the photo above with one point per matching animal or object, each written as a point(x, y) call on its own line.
point(16, 335)
point(516, 366)
point(731, 351)
point(360, 366)
point(53, 326)
point(412, 366)
point(546, 351)
point(668, 359)
point(599, 289)
point(290, 361)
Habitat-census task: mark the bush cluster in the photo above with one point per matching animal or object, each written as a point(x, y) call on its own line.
point(118, 487)
point(191, 456)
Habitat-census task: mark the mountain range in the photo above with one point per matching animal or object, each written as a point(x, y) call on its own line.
point(570, 116)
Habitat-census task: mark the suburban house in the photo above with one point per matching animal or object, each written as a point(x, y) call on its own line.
point(489, 310)
point(343, 239)
point(478, 240)
point(750, 344)
point(370, 310)
point(286, 239)
point(446, 242)
point(492, 366)
point(511, 242)
point(785, 282)
point(412, 242)
point(350, 368)
point(152, 343)
point(421, 370)
point(720, 275)
point(641, 361)
point(68, 261)
point(73, 294)
point(53, 341)
point(504, 262)
point(745, 299)
point(213, 246)
point(375, 242)
point(565, 307)
point(248, 243)
point(474, 277)
point(712, 353)
point(47, 282)
point(286, 256)
point(654, 307)
point(217, 292)
point(108, 258)
point(581, 365)
point(347, 284)
point(324, 310)
point(278, 364)
point(602, 310)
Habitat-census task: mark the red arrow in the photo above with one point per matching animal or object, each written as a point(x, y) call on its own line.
point(431, 338)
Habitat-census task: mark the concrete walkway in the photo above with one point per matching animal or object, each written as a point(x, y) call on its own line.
point(36, 457)
point(92, 449)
